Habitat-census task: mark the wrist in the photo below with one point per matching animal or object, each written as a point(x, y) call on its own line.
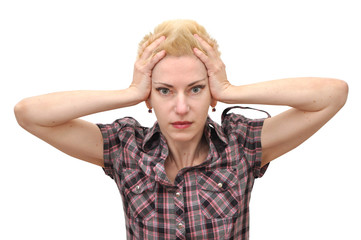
point(229, 94)
point(134, 95)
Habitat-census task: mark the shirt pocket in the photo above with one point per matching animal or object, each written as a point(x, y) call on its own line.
point(218, 193)
point(140, 195)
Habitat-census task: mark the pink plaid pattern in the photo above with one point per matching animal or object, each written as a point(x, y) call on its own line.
point(208, 201)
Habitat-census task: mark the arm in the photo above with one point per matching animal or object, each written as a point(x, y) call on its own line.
point(313, 102)
point(55, 117)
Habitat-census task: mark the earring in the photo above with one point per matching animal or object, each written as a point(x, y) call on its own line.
point(213, 109)
point(150, 110)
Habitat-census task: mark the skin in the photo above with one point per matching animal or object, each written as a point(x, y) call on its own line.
point(181, 98)
point(171, 86)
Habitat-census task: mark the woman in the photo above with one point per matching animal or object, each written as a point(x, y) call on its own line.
point(186, 177)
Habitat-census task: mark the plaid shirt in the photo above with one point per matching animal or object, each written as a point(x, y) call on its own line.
point(208, 201)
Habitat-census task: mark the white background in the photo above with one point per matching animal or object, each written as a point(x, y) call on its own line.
point(310, 193)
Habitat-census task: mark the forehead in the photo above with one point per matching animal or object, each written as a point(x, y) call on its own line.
point(183, 68)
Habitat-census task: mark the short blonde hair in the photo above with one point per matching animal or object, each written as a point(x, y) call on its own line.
point(180, 38)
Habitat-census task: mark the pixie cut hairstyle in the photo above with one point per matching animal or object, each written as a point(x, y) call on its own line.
point(180, 40)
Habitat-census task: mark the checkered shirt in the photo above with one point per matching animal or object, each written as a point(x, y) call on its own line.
point(208, 201)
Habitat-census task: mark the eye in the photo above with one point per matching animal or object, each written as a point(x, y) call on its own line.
point(197, 89)
point(163, 91)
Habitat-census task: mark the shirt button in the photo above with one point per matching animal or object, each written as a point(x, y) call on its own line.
point(220, 185)
point(137, 188)
point(180, 225)
point(177, 194)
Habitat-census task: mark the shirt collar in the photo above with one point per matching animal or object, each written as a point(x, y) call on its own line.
point(213, 129)
point(152, 137)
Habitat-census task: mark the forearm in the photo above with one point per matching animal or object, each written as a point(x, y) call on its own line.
point(307, 94)
point(57, 108)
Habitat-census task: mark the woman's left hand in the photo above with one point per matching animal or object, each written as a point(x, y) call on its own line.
point(216, 69)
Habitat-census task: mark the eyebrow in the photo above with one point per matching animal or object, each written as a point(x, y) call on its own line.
point(191, 84)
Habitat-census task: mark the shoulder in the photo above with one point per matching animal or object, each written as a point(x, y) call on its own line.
point(121, 123)
point(234, 119)
point(233, 122)
point(127, 124)
point(122, 129)
point(245, 130)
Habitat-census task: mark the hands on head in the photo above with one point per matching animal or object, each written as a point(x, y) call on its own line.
point(143, 68)
point(216, 69)
point(211, 59)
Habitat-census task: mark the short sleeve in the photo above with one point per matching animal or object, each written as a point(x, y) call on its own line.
point(248, 134)
point(111, 145)
point(113, 136)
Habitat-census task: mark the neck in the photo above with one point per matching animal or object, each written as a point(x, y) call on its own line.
point(187, 154)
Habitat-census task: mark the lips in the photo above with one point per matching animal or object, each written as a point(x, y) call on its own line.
point(181, 124)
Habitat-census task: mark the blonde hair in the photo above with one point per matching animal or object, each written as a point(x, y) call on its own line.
point(180, 38)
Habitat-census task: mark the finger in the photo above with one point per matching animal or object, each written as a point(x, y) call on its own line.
point(203, 57)
point(156, 58)
point(146, 43)
point(205, 44)
point(149, 49)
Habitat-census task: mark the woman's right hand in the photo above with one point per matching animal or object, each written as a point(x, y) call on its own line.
point(143, 68)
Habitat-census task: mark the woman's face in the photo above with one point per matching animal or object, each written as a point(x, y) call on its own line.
point(180, 97)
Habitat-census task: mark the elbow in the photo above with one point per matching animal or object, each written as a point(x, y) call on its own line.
point(338, 93)
point(342, 92)
point(21, 110)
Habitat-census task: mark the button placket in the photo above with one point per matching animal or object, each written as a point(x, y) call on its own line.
point(180, 225)
point(179, 213)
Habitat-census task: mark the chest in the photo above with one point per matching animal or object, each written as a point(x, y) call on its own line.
point(172, 170)
point(202, 197)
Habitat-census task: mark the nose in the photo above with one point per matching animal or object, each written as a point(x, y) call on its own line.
point(181, 105)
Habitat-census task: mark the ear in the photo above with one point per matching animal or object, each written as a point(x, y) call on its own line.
point(147, 102)
point(213, 103)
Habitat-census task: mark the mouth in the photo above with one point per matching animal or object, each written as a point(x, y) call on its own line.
point(181, 124)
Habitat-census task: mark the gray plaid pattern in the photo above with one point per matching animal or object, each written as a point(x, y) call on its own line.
point(208, 201)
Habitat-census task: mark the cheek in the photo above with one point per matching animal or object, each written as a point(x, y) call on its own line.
point(161, 109)
point(154, 99)
point(205, 100)
point(200, 108)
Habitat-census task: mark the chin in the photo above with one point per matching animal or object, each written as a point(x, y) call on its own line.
point(182, 136)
